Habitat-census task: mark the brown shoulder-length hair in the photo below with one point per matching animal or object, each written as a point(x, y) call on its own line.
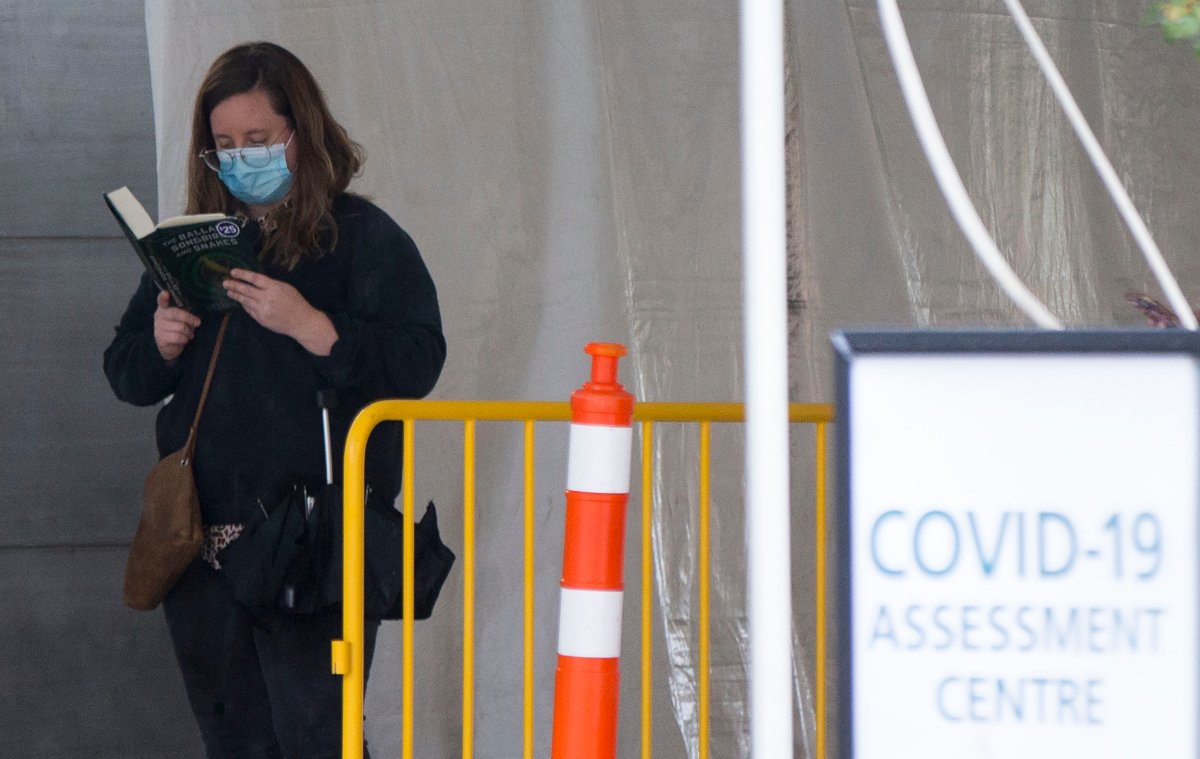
point(327, 157)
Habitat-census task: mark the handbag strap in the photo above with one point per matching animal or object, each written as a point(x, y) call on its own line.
point(212, 366)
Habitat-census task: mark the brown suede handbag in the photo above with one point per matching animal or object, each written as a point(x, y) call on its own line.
point(169, 534)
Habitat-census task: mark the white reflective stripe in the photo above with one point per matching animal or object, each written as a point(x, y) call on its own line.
point(598, 458)
point(589, 623)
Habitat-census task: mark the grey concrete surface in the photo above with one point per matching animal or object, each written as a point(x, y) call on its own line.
point(80, 675)
point(75, 113)
point(70, 454)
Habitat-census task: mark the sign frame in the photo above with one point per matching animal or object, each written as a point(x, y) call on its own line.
point(853, 345)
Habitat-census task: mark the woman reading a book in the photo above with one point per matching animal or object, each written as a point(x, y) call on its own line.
point(343, 302)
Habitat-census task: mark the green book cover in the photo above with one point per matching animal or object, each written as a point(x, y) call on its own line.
point(188, 256)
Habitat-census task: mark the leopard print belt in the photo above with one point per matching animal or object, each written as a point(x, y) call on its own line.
point(216, 537)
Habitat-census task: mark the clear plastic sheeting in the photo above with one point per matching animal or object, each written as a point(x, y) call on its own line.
point(676, 547)
point(569, 169)
point(1033, 184)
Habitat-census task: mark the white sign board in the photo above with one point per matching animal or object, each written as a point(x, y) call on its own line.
point(1022, 549)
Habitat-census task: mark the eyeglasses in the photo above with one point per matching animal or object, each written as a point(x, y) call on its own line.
point(257, 156)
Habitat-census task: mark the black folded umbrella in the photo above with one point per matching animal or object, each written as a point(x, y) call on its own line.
point(384, 556)
point(265, 558)
point(289, 560)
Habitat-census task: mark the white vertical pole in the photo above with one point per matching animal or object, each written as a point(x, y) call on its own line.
point(764, 318)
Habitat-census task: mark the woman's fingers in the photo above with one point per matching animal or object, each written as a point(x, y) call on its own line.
point(174, 327)
point(253, 278)
point(272, 303)
point(178, 331)
point(173, 313)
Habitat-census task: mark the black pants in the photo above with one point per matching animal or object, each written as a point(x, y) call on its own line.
point(258, 692)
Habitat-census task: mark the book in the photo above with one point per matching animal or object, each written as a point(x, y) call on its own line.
point(1157, 314)
point(188, 256)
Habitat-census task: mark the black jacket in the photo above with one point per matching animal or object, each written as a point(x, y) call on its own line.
point(261, 430)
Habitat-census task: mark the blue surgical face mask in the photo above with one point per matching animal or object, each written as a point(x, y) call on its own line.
point(257, 175)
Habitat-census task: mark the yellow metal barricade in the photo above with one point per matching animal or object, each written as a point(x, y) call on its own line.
point(347, 653)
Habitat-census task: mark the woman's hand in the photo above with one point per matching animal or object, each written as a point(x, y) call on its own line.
point(174, 328)
point(281, 308)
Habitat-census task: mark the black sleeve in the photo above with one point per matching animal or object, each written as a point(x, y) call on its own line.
point(390, 342)
point(134, 367)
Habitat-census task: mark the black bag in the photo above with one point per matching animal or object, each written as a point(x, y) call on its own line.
point(288, 560)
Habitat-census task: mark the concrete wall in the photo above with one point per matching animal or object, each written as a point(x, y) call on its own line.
point(80, 675)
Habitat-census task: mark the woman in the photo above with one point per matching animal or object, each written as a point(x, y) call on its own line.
point(344, 302)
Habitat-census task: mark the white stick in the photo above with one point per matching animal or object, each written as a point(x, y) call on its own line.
point(1133, 220)
point(328, 448)
point(947, 175)
point(764, 310)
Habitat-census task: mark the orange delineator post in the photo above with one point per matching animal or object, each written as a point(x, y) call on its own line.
point(586, 683)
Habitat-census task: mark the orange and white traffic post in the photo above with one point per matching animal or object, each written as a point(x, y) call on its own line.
point(587, 680)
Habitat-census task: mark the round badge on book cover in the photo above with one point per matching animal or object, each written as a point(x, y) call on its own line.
point(228, 229)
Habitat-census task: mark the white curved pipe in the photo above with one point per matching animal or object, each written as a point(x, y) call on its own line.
point(1129, 213)
point(947, 176)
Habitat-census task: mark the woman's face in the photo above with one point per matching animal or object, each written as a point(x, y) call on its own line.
point(248, 119)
